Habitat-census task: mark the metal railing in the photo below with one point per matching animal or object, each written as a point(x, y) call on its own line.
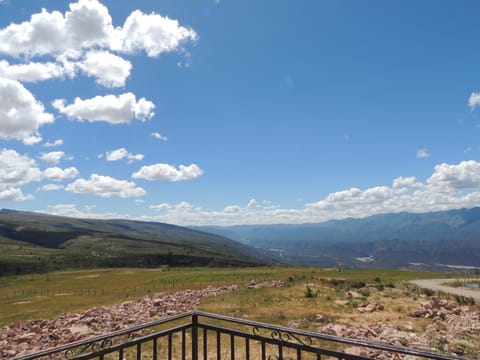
point(200, 335)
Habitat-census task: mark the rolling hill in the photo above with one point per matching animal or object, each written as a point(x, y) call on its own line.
point(33, 242)
point(401, 240)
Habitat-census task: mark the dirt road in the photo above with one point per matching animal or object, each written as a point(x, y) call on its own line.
point(436, 285)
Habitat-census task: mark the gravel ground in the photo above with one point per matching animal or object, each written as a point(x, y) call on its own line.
point(436, 285)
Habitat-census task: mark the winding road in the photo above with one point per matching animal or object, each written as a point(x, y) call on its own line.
point(436, 285)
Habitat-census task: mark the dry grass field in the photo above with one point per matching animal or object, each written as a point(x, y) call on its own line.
point(312, 299)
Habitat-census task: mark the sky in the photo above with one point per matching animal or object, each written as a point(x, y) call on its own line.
point(223, 112)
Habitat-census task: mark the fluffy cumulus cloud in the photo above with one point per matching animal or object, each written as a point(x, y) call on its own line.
point(151, 33)
point(21, 115)
point(452, 178)
point(58, 174)
point(105, 186)
point(16, 169)
point(13, 194)
point(450, 186)
point(55, 45)
point(54, 157)
point(110, 70)
point(168, 172)
point(122, 153)
point(88, 25)
point(32, 72)
point(113, 109)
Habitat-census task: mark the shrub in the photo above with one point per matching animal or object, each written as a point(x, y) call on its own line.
point(309, 293)
point(364, 292)
point(464, 300)
point(357, 284)
point(428, 292)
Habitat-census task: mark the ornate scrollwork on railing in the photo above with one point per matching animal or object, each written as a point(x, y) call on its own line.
point(69, 354)
point(284, 336)
point(89, 348)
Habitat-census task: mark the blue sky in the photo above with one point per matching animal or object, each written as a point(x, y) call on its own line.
point(230, 112)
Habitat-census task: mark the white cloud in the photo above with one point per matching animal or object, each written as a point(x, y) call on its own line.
point(183, 206)
point(168, 172)
point(450, 186)
point(54, 157)
point(158, 136)
point(21, 115)
point(465, 175)
point(159, 207)
point(474, 100)
point(58, 142)
point(110, 70)
point(423, 153)
point(14, 194)
point(151, 33)
point(406, 182)
point(32, 140)
point(105, 186)
point(58, 174)
point(32, 72)
point(16, 169)
point(110, 108)
point(87, 24)
point(50, 187)
point(69, 210)
point(232, 209)
point(122, 153)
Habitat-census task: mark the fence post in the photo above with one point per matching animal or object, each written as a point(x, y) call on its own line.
point(194, 337)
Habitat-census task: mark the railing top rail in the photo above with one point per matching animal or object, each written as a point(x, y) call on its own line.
point(333, 338)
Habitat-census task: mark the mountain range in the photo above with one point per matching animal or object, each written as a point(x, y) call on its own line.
point(443, 240)
point(435, 240)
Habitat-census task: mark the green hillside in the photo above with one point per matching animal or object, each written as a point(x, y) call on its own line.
point(31, 242)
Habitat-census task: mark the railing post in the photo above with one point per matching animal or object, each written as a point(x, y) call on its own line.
point(194, 337)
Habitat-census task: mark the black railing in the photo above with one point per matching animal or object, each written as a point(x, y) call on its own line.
point(200, 336)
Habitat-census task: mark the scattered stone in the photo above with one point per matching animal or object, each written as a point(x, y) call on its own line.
point(367, 307)
point(353, 295)
point(449, 325)
point(20, 338)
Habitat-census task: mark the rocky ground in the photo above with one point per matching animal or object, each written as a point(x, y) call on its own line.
point(21, 338)
point(451, 329)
